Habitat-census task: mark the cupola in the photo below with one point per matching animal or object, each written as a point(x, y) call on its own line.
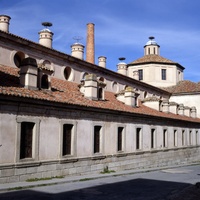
point(4, 23)
point(151, 47)
point(122, 66)
point(45, 35)
point(77, 50)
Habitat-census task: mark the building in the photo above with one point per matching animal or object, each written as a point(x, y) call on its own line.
point(63, 115)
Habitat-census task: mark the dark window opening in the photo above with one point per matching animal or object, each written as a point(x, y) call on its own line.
point(100, 93)
point(163, 74)
point(26, 140)
point(152, 138)
point(138, 138)
point(67, 139)
point(183, 138)
point(119, 138)
point(67, 72)
point(175, 138)
point(165, 138)
point(18, 57)
point(140, 73)
point(45, 82)
point(97, 130)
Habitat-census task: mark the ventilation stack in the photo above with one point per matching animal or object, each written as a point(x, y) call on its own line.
point(90, 43)
point(122, 67)
point(4, 23)
point(102, 61)
point(45, 35)
point(77, 50)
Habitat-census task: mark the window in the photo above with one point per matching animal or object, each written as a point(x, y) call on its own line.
point(138, 138)
point(67, 139)
point(18, 57)
point(120, 138)
point(67, 72)
point(45, 82)
point(100, 93)
point(175, 138)
point(197, 137)
point(163, 74)
point(26, 140)
point(190, 137)
point(97, 130)
point(165, 138)
point(153, 137)
point(183, 138)
point(140, 73)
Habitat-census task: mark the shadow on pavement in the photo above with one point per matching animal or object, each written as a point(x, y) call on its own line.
point(137, 189)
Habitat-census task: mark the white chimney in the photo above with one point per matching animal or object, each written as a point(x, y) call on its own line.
point(122, 67)
point(46, 36)
point(4, 23)
point(77, 50)
point(102, 61)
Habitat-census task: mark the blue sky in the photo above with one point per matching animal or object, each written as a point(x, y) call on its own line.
point(122, 27)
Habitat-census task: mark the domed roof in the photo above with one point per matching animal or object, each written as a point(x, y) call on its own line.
point(151, 41)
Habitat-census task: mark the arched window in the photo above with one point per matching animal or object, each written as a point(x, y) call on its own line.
point(45, 82)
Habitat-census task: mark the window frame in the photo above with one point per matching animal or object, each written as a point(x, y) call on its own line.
point(35, 139)
point(138, 141)
point(73, 138)
point(140, 74)
point(165, 138)
point(122, 138)
point(101, 139)
point(164, 74)
point(153, 138)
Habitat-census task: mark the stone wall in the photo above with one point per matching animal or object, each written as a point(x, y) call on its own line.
point(78, 166)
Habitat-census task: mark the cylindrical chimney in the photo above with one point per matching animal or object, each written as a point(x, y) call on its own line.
point(77, 50)
point(46, 37)
point(90, 43)
point(102, 61)
point(4, 23)
point(122, 66)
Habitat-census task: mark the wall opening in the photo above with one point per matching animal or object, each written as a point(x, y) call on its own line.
point(26, 140)
point(67, 139)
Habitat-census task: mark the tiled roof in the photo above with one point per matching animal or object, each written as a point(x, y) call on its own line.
point(184, 87)
point(68, 93)
point(152, 58)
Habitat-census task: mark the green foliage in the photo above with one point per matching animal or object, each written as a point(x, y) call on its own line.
point(107, 171)
point(43, 179)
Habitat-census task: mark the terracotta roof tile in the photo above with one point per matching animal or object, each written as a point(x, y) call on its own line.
point(152, 58)
point(184, 87)
point(68, 93)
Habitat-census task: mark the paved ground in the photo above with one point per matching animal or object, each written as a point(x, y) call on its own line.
point(167, 184)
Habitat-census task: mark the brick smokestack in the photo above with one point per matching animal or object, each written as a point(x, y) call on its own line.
point(90, 43)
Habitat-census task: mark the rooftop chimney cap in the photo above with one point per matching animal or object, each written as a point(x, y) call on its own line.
point(151, 37)
point(122, 58)
point(29, 61)
point(47, 24)
point(5, 16)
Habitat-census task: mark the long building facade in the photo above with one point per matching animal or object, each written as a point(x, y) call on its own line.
point(61, 115)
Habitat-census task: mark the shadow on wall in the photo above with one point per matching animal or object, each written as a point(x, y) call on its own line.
point(137, 189)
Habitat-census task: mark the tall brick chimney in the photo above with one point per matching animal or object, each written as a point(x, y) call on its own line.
point(90, 43)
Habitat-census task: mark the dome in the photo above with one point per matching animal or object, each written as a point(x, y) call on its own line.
point(151, 41)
